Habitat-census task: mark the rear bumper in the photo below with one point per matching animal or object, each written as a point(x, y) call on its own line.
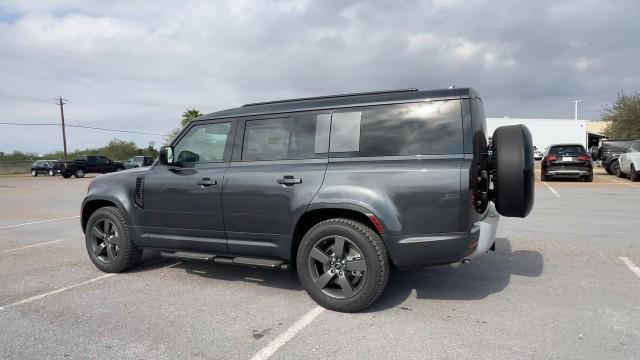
point(568, 171)
point(444, 248)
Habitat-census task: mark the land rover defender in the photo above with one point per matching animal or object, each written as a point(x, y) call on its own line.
point(340, 187)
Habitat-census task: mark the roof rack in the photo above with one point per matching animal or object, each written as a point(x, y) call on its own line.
point(331, 96)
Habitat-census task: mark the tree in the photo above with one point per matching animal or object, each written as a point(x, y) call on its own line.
point(187, 117)
point(623, 117)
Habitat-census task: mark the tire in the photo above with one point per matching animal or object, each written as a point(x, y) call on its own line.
point(119, 168)
point(66, 175)
point(34, 173)
point(513, 170)
point(634, 175)
point(619, 172)
point(613, 168)
point(51, 173)
point(544, 177)
point(79, 173)
point(113, 254)
point(369, 272)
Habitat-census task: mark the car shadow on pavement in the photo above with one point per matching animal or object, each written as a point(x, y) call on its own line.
point(476, 280)
point(282, 279)
point(486, 275)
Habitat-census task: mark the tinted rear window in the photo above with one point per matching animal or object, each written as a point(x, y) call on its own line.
point(567, 150)
point(302, 136)
point(424, 128)
point(616, 146)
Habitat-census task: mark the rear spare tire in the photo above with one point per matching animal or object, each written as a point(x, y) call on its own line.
point(513, 170)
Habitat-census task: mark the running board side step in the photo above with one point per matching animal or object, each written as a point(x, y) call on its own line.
point(246, 261)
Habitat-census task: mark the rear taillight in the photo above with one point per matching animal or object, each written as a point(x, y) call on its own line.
point(551, 158)
point(584, 158)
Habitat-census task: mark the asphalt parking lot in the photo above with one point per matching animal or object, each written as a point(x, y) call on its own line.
point(564, 283)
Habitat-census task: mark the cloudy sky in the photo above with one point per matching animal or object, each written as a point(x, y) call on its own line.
point(137, 65)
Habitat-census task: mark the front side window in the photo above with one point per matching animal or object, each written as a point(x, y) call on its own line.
point(423, 128)
point(298, 137)
point(203, 143)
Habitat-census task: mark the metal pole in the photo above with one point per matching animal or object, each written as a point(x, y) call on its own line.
point(575, 113)
point(64, 134)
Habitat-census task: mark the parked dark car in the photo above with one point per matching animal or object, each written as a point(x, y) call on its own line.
point(138, 161)
point(608, 152)
point(342, 187)
point(83, 165)
point(567, 160)
point(42, 167)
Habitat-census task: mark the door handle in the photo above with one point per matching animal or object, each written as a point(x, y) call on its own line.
point(206, 182)
point(289, 180)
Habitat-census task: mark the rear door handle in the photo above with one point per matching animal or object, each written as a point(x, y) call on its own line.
point(289, 180)
point(206, 182)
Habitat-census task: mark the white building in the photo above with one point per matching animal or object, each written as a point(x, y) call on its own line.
point(547, 131)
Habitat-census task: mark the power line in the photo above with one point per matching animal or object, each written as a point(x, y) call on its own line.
point(82, 127)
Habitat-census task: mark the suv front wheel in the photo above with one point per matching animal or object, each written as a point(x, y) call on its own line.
point(108, 242)
point(343, 265)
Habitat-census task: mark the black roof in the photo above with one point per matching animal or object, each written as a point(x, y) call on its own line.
point(342, 100)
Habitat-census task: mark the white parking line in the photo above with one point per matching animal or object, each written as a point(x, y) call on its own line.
point(285, 337)
point(38, 222)
point(552, 189)
point(42, 244)
point(57, 291)
point(630, 265)
point(626, 183)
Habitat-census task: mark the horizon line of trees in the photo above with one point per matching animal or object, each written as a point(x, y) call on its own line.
point(116, 149)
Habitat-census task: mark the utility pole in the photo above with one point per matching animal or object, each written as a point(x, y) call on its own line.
point(575, 102)
point(60, 101)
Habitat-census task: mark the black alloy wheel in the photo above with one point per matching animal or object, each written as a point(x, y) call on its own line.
point(343, 264)
point(337, 267)
point(108, 242)
point(105, 241)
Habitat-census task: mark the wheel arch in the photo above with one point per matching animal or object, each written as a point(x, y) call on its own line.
point(317, 213)
point(90, 206)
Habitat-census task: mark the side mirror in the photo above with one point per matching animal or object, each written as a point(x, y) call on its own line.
point(166, 155)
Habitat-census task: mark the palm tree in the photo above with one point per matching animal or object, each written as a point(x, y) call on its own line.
point(189, 115)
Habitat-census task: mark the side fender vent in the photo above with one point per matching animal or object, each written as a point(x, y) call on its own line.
point(139, 192)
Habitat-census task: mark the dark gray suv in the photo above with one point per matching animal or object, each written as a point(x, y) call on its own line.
point(342, 187)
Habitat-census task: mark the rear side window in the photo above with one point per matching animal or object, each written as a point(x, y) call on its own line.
point(567, 150)
point(299, 137)
point(423, 128)
point(635, 146)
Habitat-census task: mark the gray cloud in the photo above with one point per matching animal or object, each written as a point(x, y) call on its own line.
point(138, 65)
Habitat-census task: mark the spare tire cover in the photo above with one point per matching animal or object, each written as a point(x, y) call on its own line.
point(514, 170)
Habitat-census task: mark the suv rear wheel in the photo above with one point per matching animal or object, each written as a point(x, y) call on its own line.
point(634, 174)
point(343, 265)
point(108, 243)
point(613, 168)
point(79, 173)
